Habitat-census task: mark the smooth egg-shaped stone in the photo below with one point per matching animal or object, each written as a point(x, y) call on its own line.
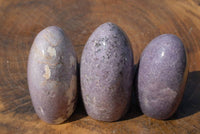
point(107, 73)
point(162, 76)
point(52, 75)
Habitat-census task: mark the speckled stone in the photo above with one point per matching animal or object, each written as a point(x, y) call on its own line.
point(52, 77)
point(162, 76)
point(107, 73)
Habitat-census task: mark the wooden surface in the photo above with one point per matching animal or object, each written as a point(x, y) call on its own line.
point(142, 20)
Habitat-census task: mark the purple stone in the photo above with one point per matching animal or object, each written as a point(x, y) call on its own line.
point(162, 76)
point(107, 73)
point(52, 75)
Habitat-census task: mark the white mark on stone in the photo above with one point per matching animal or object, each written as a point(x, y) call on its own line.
point(165, 94)
point(97, 65)
point(51, 51)
point(41, 110)
point(104, 43)
point(146, 102)
point(47, 73)
point(171, 92)
point(162, 54)
point(72, 61)
point(43, 52)
point(7, 61)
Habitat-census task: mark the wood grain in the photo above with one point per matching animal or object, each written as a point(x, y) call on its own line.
point(142, 20)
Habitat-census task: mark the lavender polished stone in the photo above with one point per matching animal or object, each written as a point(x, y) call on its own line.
point(107, 73)
point(162, 76)
point(52, 77)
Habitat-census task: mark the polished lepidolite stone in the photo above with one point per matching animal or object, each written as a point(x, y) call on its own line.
point(107, 73)
point(52, 77)
point(162, 76)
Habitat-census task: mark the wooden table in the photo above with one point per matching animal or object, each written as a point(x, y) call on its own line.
point(142, 20)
